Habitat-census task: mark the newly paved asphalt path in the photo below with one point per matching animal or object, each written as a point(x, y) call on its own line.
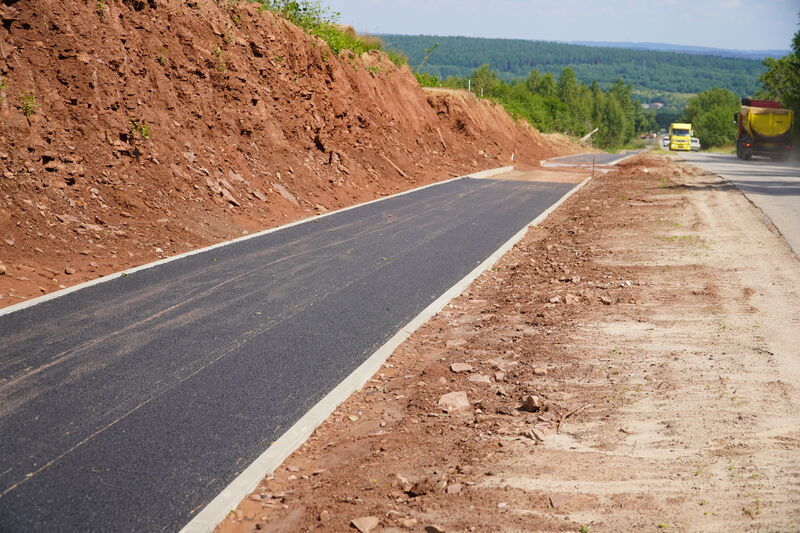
point(128, 405)
point(599, 158)
point(772, 186)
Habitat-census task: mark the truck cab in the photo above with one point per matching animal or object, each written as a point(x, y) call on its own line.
point(680, 136)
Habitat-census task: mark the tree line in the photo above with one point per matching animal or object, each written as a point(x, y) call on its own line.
point(561, 104)
point(514, 59)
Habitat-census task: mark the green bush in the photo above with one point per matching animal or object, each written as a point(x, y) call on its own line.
point(315, 19)
point(427, 80)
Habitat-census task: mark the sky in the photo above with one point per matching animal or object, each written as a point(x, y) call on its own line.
point(732, 24)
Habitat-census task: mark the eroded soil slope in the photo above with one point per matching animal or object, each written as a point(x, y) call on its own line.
point(154, 127)
point(631, 365)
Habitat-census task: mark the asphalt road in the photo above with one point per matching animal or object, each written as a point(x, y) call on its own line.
point(129, 405)
point(772, 186)
point(600, 158)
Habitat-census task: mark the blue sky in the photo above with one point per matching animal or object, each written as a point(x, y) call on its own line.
point(739, 24)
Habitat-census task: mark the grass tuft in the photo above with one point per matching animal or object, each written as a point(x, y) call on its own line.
point(315, 19)
point(28, 105)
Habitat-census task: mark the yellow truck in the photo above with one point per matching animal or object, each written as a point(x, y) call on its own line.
point(765, 128)
point(680, 136)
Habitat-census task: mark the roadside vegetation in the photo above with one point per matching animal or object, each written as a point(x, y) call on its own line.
point(321, 21)
point(711, 114)
point(781, 81)
point(560, 104)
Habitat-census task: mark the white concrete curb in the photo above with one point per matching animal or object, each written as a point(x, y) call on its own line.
point(216, 511)
point(63, 292)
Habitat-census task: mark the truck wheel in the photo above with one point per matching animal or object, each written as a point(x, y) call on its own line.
point(746, 153)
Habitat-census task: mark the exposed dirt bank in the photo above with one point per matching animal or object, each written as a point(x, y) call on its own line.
point(249, 123)
point(629, 366)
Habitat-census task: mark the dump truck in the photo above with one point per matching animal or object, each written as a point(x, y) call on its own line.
point(680, 136)
point(765, 128)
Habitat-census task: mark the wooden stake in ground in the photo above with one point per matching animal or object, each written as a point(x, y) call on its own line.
point(441, 138)
point(395, 166)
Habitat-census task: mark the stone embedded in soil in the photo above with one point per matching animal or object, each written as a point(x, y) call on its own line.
point(605, 299)
point(227, 196)
point(453, 343)
point(2, 270)
point(555, 300)
point(536, 434)
point(454, 402)
point(403, 483)
point(365, 524)
point(460, 367)
point(454, 488)
point(539, 371)
point(408, 522)
point(260, 195)
point(285, 193)
point(571, 299)
point(505, 410)
point(531, 403)
point(69, 270)
point(435, 529)
point(324, 516)
point(557, 500)
point(479, 378)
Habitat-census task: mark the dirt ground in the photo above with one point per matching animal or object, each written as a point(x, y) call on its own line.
point(631, 365)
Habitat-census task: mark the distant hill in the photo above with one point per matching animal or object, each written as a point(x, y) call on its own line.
point(663, 71)
point(702, 50)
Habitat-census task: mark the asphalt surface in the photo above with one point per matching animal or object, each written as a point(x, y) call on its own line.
point(129, 405)
point(774, 187)
point(600, 158)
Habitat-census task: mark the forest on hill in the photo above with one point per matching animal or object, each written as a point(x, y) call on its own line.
point(758, 55)
point(514, 59)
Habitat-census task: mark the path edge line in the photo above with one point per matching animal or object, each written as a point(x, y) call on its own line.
point(215, 512)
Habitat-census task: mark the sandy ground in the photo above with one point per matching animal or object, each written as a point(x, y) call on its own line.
point(632, 367)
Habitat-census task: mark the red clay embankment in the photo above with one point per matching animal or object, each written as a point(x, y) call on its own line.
point(249, 123)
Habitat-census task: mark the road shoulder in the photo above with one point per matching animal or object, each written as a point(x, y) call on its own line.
point(628, 365)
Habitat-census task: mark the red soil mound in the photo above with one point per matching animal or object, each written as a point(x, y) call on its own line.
point(163, 125)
